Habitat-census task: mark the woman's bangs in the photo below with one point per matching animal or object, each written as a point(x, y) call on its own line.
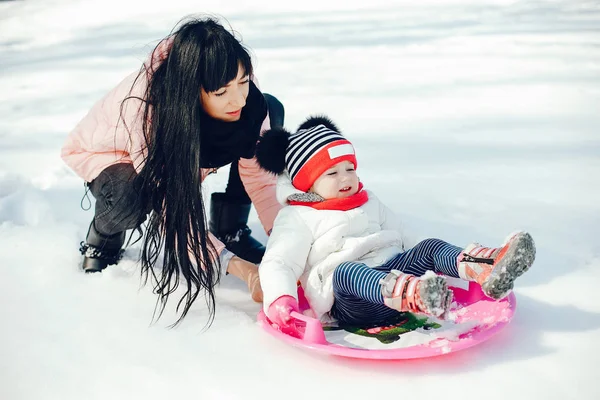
point(215, 76)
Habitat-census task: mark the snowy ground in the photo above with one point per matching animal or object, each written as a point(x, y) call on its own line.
point(471, 119)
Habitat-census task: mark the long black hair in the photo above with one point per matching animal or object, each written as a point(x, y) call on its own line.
point(203, 54)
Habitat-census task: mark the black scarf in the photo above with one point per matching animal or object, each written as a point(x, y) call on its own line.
point(223, 142)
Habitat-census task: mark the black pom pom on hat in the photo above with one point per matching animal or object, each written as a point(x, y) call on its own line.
point(316, 120)
point(271, 150)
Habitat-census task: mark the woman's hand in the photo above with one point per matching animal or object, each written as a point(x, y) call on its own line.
point(254, 287)
point(248, 272)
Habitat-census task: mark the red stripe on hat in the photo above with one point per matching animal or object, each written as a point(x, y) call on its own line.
point(319, 163)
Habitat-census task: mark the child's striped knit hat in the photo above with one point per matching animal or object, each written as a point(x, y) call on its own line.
point(316, 146)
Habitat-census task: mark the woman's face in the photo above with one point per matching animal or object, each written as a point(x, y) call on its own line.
point(226, 103)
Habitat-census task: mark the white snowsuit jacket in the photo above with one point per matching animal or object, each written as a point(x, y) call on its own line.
point(307, 244)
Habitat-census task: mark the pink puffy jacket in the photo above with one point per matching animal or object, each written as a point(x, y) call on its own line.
point(101, 139)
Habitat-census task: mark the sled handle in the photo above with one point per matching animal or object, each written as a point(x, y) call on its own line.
point(313, 332)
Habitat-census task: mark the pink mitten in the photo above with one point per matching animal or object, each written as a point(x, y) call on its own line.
point(279, 311)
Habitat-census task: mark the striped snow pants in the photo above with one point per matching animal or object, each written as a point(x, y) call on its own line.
point(356, 288)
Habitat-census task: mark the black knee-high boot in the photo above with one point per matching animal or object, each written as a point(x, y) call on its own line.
point(228, 222)
point(99, 251)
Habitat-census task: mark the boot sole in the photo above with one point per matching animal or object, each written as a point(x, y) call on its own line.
point(516, 261)
point(435, 295)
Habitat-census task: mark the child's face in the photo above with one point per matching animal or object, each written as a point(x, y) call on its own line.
point(337, 182)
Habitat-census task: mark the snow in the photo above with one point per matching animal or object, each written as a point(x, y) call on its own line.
point(471, 119)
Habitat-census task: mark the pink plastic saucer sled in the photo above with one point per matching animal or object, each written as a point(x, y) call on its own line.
point(475, 319)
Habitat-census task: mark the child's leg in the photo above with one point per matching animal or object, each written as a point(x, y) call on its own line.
point(496, 269)
point(358, 298)
point(428, 255)
point(367, 296)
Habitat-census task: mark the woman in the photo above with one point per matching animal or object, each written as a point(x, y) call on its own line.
point(145, 148)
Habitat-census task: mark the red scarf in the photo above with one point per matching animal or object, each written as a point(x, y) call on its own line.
point(344, 204)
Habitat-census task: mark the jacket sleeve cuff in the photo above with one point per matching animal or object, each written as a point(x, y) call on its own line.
point(224, 259)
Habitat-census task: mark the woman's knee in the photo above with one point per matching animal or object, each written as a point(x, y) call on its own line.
point(115, 181)
point(118, 203)
point(276, 110)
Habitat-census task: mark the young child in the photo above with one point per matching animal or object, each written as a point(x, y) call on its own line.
point(344, 247)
